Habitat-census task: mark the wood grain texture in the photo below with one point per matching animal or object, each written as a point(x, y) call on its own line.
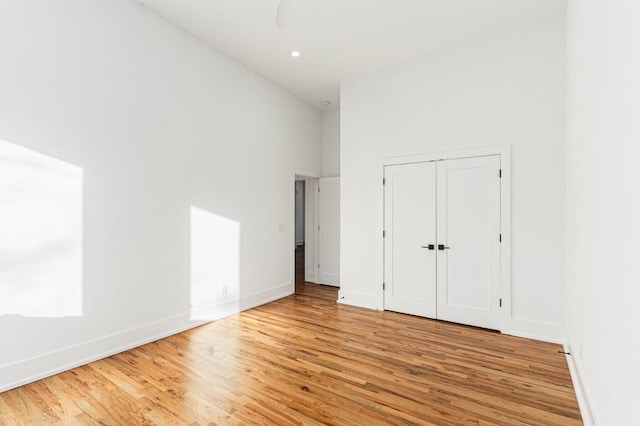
point(306, 360)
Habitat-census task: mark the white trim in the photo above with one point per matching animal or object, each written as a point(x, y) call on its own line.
point(546, 332)
point(215, 311)
point(310, 239)
point(265, 296)
point(505, 228)
point(41, 366)
point(504, 151)
point(311, 231)
point(380, 271)
point(446, 155)
point(48, 364)
point(589, 416)
point(361, 300)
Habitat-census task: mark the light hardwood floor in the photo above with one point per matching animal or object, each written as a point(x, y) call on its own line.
point(306, 360)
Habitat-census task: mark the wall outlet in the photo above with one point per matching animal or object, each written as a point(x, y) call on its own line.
point(224, 290)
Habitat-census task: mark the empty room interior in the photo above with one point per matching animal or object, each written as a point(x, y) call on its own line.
point(343, 212)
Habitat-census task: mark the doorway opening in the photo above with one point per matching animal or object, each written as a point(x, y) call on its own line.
point(315, 220)
point(305, 234)
point(299, 232)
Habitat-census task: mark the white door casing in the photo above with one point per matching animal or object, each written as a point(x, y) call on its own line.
point(468, 259)
point(311, 230)
point(329, 231)
point(310, 226)
point(300, 211)
point(410, 227)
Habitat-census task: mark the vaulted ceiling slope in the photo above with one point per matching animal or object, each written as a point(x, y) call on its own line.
point(341, 39)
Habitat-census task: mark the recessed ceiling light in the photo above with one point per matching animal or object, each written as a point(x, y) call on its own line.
point(295, 53)
point(325, 103)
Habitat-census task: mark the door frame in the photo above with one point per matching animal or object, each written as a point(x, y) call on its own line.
point(301, 215)
point(321, 278)
point(310, 227)
point(504, 151)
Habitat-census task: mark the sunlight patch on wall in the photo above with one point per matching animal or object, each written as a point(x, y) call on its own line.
point(215, 265)
point(40, 234)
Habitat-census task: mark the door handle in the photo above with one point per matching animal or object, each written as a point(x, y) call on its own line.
point(430, 247)
point(443, 247)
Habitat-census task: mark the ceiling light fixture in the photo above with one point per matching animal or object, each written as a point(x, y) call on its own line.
point(295, 54)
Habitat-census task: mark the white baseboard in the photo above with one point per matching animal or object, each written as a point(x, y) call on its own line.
point(266, 296)
point(215, 311)
point(36, 368)
point(553, 333)
point(545, 332)
point(589, 417)
point(51, 363)
point(362, 300)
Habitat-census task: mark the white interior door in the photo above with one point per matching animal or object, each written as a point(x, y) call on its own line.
point(468, 222)
point(410, 227)
point(329, 231)
point(311, 230)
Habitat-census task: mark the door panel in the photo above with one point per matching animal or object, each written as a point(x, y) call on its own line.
point(409, 222)
point(329, 233)
point(468, 225)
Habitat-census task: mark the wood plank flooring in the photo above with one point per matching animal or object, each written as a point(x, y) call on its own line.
point(306, 360)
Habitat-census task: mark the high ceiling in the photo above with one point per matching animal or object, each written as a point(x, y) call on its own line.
point(340, 39)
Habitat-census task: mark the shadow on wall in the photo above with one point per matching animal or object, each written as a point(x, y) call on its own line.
point(40, 234)
point(215, 265)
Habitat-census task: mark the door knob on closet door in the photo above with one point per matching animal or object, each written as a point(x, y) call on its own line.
point(443, 247)
point(430, 247)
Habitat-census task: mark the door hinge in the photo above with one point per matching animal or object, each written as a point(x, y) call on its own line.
point(384, 234)
point(500, 173)
point(384, 181)
point(501, 302)
point(500, 238)
point(318, 189)
point(383, 286)
point(318, 227)
point(318, 266)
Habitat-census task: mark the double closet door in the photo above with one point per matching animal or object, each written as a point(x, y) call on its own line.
point(442, 240)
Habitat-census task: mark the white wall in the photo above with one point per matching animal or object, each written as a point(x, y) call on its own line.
point(603, 204)
point(158, 122)
point(509, 89)
point(331, 143)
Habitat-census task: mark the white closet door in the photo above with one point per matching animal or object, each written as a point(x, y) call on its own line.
point(468, 221)
point(410, 227)
point(329, 232)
